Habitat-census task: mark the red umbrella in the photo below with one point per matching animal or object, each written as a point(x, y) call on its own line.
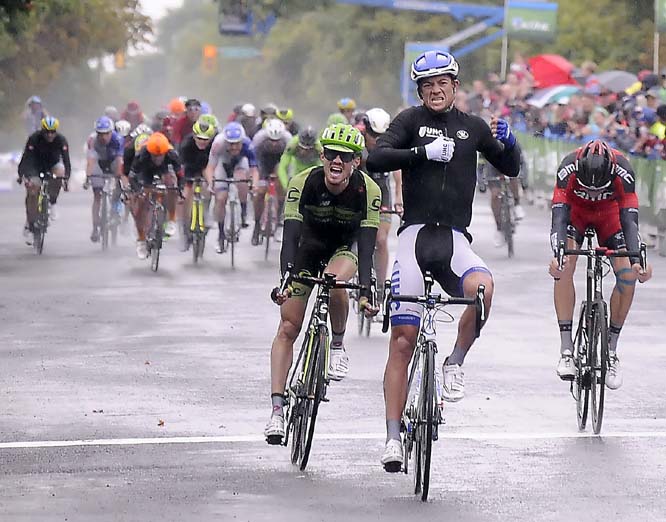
point(551, 69)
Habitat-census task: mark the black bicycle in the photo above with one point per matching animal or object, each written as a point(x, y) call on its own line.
point(41, 224)
point(155, 234)
point(422, 415)
point(591, 358)
point(507, 213)
point(309, 379)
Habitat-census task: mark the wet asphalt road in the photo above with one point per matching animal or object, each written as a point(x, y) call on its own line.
point(94, 346)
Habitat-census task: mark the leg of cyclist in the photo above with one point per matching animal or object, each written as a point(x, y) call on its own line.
point(564, 293)
point(58, 170)
point(96, 218)
point(407, 278)
point(343, 264)
point(381, 250)
point(243, 191)
point(32, 187)
point(514, 184)
point(495, 205)
point(221, 196)
point(188, 193)
point(292, 313)
point(171, 182)
point(141, 210)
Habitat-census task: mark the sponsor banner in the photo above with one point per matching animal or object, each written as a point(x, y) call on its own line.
point(532, 20)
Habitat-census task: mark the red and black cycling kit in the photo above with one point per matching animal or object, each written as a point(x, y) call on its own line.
point(41, 155)
point(436, 192)
point(612, 211)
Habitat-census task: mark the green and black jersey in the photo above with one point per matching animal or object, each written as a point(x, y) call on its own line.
point(318, 222)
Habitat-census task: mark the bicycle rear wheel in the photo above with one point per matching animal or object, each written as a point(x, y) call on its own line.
point(426, 418)
point(581, 383)
point(38, 239)
point(598, 354)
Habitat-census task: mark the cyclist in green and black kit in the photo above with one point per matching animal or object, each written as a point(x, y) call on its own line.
point(302, 152)
point(328, 210)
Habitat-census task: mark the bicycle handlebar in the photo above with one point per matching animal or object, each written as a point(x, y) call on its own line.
point(327, 281)
point(432, 300)
point(601, 252)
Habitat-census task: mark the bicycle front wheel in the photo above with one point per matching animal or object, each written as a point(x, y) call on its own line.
point(598, 355)
point(581, 383)
point(232, 226)
point(268, 225)
point(314, 379)
point(425, 420)
point(507, 225)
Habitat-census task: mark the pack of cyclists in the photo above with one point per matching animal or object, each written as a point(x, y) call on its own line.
point(334, 188)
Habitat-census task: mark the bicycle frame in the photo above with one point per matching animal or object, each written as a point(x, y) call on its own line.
point(197, 223)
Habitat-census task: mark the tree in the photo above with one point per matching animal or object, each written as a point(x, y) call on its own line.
point(37, 40)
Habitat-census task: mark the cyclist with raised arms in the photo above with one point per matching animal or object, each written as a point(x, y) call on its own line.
point(231, 157)
point(595, 187)
point(328, 210)
point(46, 151)
point(268, 144)
point(104, 157)
point(156, 159)
point(375, 123)
point(194, 153)
point(435, 146)
point(302, 152)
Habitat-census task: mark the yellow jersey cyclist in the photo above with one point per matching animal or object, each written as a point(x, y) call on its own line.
point(328, 210)
point(194, 153)
point(375, 123)
point(302, 152)
point(46, 151)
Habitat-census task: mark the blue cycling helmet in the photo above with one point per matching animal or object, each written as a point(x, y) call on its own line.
point(434, 63)
point(104, 124)
point(233, 132)
point(205, 108)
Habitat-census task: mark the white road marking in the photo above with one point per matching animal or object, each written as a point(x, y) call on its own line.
point(327, 436)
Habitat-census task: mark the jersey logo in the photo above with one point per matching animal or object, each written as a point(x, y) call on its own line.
point(624, 174)
point(376, 204)
point(462, 134)
point(584, 194)
point(567, 169)
point(430, 132)
point(292, 195)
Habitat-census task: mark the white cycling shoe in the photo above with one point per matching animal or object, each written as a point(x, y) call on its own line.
point(392, 458)
point(141, 250)
point(614, 373)
point(453, 387)
point(519, 211)
point(565, 368)
point(170, 229)
point(274, 430)
point(338, 365)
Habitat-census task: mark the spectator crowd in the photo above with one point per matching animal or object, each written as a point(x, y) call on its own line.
point(632, 120)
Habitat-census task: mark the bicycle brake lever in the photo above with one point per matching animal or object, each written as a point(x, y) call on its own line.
point(643, 256)
point(387, 302)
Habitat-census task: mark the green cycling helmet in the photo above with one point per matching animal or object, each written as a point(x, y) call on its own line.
point(344, 138)
point(334, 118)
point(203, 130)
point(210, 119)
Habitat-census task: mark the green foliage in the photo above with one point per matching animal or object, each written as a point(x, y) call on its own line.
point(37, 43)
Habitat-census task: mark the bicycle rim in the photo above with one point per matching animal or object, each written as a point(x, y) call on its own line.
point(38, 240)
point(507, 229)
point(368, 325)
point(154, 258)
point(581, 379)
point(315, 391)
point(195, 247)
point(427, 418)
point(298, 419)
point(598, 349)
point(360, 320)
